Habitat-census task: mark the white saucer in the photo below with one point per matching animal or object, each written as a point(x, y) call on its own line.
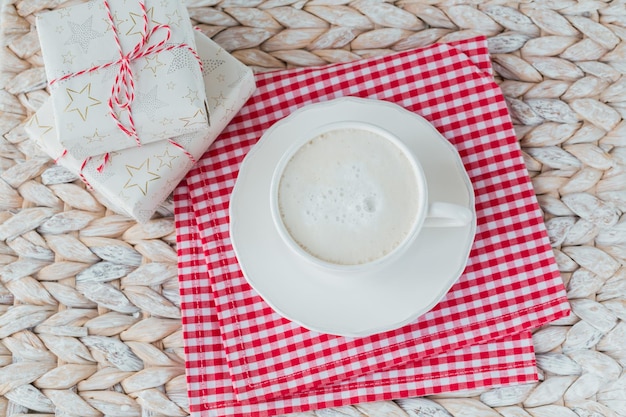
point(367, 302)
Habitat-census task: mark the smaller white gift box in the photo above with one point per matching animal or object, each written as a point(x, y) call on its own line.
point(122, 74)
point(135, 181)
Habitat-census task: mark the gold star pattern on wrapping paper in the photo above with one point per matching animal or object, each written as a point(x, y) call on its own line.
point(81, 101)
point(153, 64)
point(137, 24)
point(108, 22)
point(140, 176)
point(171, 85)
point(42, 129)
point(60, 29)
point(166, 159)
point(68, 58)
point(96, 137)
point(166, 121)
point(227, 113)
point(174, 18)
point(192, 95)
point(118, 21)
point(64, 13)
point(83, 34)
point(219, 100)
point(220, 78)
point(197, 119)
point(137, 21)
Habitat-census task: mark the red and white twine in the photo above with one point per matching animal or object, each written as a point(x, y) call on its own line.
point(183, 150)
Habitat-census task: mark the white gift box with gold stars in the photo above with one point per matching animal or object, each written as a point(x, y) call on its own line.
point(121, 74)
point(136, 181)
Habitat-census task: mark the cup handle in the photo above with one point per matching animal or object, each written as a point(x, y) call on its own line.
point(442, 214)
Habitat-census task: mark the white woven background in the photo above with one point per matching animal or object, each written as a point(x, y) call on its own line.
point(560, 63)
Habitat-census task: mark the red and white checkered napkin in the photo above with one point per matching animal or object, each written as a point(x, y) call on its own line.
point(243, 358)
point(211, 393)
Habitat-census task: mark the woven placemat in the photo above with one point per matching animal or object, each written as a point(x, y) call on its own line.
point(115, 348)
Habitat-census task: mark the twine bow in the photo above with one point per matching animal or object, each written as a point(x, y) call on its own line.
point(123, 89)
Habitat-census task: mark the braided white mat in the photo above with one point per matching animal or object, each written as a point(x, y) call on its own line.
point(561, 64)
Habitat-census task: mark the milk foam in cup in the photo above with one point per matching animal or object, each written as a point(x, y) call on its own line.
point(351, 195)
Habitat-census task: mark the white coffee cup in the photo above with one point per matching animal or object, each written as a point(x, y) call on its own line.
point(350, 196)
